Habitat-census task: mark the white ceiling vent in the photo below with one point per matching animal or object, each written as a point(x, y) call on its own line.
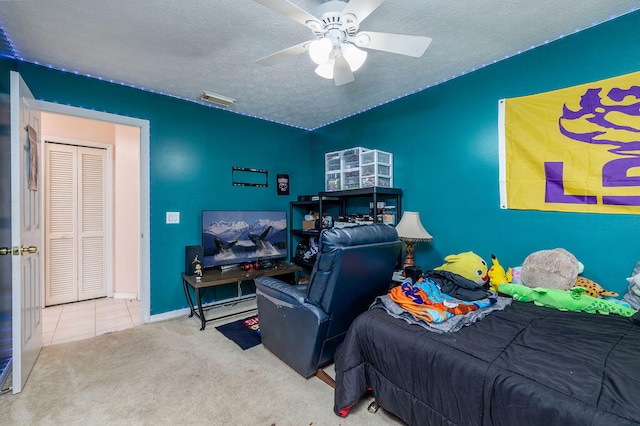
point(219, 100)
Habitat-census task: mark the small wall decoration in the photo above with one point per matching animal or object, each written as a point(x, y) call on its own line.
point(244, 176)
point(283, 184)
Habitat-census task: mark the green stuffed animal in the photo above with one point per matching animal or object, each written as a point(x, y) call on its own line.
point(467, 264)
point(574, 299)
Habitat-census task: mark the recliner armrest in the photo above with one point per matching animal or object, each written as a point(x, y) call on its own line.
point(283, 294)
point(270, 286)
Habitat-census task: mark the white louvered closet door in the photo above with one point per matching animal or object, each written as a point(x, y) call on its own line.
point(76, 223)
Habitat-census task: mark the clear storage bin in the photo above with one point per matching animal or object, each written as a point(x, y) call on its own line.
point(358, 167)
point(376, 169)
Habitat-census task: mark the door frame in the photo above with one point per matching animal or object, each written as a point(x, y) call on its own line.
point(108, 188)
point(144, 126)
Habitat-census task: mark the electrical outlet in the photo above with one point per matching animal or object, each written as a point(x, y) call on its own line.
point(173, 217)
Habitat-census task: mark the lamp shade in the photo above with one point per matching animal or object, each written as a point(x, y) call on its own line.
point(410, 228)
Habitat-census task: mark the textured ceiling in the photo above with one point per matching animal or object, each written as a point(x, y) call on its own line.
point(185, 47)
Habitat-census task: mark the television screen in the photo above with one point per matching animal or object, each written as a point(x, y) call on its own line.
point(238, 236)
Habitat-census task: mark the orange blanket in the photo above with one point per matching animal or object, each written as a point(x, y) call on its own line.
point(425, 301)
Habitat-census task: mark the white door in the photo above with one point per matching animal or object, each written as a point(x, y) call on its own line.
point(75, 231)
point(26, 232)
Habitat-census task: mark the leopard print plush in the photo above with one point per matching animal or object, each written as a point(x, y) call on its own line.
point(593, 289)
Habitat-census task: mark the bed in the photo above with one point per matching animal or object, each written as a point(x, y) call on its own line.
point(523, 365)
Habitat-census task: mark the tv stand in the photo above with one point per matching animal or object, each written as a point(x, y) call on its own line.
point(216, 277)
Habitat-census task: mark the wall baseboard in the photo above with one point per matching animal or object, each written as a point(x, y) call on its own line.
point(170, 315)
point(226, 310)
point(130, 296)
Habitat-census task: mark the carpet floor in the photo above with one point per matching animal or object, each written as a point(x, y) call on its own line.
point(170, 372)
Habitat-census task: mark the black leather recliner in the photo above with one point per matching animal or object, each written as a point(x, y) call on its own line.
point(303, 324)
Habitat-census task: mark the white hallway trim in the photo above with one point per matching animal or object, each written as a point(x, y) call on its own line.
point(125, 296)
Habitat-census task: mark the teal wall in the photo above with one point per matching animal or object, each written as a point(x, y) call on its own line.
point(445, 145)
point(192, 151)
point(6, 65)
point(444, 141)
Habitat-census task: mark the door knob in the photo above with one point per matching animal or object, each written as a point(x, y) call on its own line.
point(30, 249)
point(5, 250)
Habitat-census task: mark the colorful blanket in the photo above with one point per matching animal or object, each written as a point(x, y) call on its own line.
point(453, 322)
point(425, 301)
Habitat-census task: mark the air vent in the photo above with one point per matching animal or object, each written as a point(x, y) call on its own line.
point(219, 100)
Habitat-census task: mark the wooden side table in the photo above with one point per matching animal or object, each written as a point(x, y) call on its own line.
point(216, 277)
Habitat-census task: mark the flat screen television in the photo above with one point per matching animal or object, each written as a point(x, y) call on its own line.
point(239, 236)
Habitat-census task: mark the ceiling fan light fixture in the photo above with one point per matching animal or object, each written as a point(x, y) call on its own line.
point(355, 57)
point(326, 70)
point(337, 40)
point(320, 49)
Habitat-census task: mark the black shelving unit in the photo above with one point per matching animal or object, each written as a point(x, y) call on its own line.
point(336, 203)
point(297, 210)
point(373, 194)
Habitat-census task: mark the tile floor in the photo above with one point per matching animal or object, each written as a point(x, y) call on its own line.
point(89, 318)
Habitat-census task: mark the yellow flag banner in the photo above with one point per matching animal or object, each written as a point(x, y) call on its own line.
point(574, 149)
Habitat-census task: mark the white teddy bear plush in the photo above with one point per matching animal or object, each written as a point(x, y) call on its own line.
point(634, 284)
point(632, 297)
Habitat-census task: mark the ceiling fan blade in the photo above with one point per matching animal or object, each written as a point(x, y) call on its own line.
point(394, 43)
point(290, 10)
point(361, 8)
point(342, 73)
point(285, 54)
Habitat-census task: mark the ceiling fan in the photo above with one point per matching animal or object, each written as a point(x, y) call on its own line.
point(337, 46)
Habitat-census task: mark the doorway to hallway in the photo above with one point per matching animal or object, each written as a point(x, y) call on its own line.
point(110, 246)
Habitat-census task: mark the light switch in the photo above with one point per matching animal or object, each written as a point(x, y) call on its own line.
point(173, 217)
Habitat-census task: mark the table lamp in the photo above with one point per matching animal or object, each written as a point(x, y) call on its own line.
point(410, 230)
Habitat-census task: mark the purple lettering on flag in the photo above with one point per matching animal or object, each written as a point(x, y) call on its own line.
point(603, 111)
point(554, 188)
point(621, 200)
point(614, 173)
point(606, 130)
